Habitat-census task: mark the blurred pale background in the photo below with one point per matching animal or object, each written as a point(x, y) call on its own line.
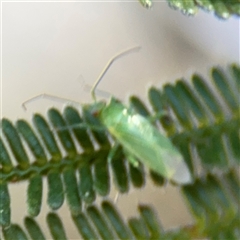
point(46, 46)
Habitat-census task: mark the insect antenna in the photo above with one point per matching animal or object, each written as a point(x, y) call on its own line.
point(130, 50)
point(50, 97)
point(93, 88)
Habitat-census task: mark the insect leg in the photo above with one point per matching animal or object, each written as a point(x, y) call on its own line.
point(131, 158)
point(128, 155)
point(49, 96)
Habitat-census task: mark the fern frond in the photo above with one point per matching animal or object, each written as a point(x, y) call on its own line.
point(95, 223)
point(214, 203)
point(202, 121)
point(222, 8)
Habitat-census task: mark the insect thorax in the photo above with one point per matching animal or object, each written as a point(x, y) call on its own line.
point(112, 113)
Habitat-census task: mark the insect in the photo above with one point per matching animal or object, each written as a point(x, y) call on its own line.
point(139, 138)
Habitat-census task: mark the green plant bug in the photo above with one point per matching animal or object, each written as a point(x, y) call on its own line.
point(139, 138)
point(137, 135)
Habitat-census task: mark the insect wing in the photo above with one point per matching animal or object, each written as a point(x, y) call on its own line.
point(144, 141)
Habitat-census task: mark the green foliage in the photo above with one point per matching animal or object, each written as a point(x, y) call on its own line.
point(222, 8)
point(213, 201)
point(70, 150)
point(95, 223)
